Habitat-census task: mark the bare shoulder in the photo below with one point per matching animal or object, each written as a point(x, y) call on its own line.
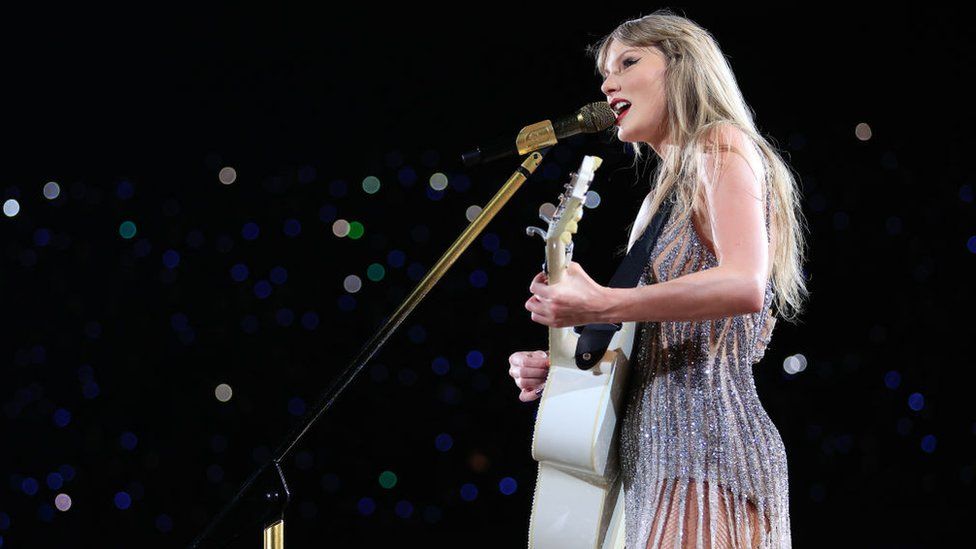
point(725, 140)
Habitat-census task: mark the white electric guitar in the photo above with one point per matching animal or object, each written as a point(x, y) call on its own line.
point(578, 500)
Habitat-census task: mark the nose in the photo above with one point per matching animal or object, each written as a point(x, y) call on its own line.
point(609, 84)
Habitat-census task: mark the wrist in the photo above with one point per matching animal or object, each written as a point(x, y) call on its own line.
point(610, 311)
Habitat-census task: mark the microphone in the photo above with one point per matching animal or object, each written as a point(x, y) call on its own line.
point(592, 118)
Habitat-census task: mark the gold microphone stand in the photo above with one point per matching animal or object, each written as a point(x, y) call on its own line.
point(273, 521)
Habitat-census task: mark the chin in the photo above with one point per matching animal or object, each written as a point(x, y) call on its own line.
point(623, 135)
point(626, 136)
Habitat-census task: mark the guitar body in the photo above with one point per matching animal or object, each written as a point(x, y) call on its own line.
point(578, 497)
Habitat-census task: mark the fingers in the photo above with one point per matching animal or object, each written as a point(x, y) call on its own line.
point(534, 393)
point(539, 285)
point(530, 369)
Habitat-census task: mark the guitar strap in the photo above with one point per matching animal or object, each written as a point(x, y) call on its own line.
point(595, 338)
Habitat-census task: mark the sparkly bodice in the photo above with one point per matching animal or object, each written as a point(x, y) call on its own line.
point(693, 414)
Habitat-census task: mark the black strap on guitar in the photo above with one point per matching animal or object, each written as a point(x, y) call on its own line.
point(595, 338)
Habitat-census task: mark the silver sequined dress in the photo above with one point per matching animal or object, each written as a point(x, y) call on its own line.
point(697, 449)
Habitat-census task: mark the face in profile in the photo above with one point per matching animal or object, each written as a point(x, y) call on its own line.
point(636, 74)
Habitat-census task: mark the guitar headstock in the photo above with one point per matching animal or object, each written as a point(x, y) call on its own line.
point(563, 222)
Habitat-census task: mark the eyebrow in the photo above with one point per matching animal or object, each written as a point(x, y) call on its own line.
point(602, 71)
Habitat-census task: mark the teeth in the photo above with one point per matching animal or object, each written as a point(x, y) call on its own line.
point(620, 106)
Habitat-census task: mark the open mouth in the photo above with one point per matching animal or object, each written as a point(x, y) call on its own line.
point(622, 113)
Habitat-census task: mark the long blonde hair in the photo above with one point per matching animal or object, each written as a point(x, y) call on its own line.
point(702, 96)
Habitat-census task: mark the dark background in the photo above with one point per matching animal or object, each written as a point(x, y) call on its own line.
point(111, 355)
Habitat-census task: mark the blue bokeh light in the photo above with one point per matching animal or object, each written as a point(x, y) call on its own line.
point(490, 241)
point(124, 189)
point(478, 278)
point(440, 366)
point(29, 486)
point(179, 322)
point(396, 258)
point(366, 506)
point(42, 237)
point(501, 257)
point(498, 313)
point(417, 333)
point(347, 302)
point(406, 176)
point(310, 320)
point(475, 359)
point(262, 289)
point(443, 442)
point(62, 417)
point(128, 440)
point(434, 194)
point(892, 379)
point(338, 188)
point(469, 492)
point(403, 509)
point(296, 406)
point(328, 213)
point(916, 401)
point(54, 481)
point(67, 471)
point(122, 500)
point(507, 486)
point(164, 523)
point(250, 231)
point(460, 182)
point(239, 272)
point(171, 259)
point(293, 227)
point(279, 275)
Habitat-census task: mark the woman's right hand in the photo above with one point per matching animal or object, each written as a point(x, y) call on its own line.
point(530, 370)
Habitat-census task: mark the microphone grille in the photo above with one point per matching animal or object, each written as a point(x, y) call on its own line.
point(596, 117)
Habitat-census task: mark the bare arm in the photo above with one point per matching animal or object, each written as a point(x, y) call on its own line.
point(703, 295)
point(736, 286)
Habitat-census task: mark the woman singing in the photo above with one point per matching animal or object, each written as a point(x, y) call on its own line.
point(702, 464)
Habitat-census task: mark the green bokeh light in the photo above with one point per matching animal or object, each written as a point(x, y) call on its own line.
point(388, 479)
point(375, 272)
point(356, 230)
point(371, 184)
point(127, 229)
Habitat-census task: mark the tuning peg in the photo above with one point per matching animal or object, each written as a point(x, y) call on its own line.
point(544, 217)
point(530, 230)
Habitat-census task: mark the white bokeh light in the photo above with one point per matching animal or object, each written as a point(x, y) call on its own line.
point(51, 190)
point(340, 228)
point(352, 284)
point(223, 392)
point(62, 502)
point(227, 175)
point(438, 181)
point(794, 364)
point(11, 207)
point(472, 212)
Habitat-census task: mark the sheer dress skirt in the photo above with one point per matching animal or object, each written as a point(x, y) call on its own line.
point(701, 462)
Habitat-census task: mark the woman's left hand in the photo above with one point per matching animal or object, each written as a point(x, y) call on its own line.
point(574, 301)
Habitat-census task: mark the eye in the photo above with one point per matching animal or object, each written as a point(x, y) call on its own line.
point(629, 61)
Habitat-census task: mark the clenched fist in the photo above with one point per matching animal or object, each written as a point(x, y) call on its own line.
point(529, 369)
